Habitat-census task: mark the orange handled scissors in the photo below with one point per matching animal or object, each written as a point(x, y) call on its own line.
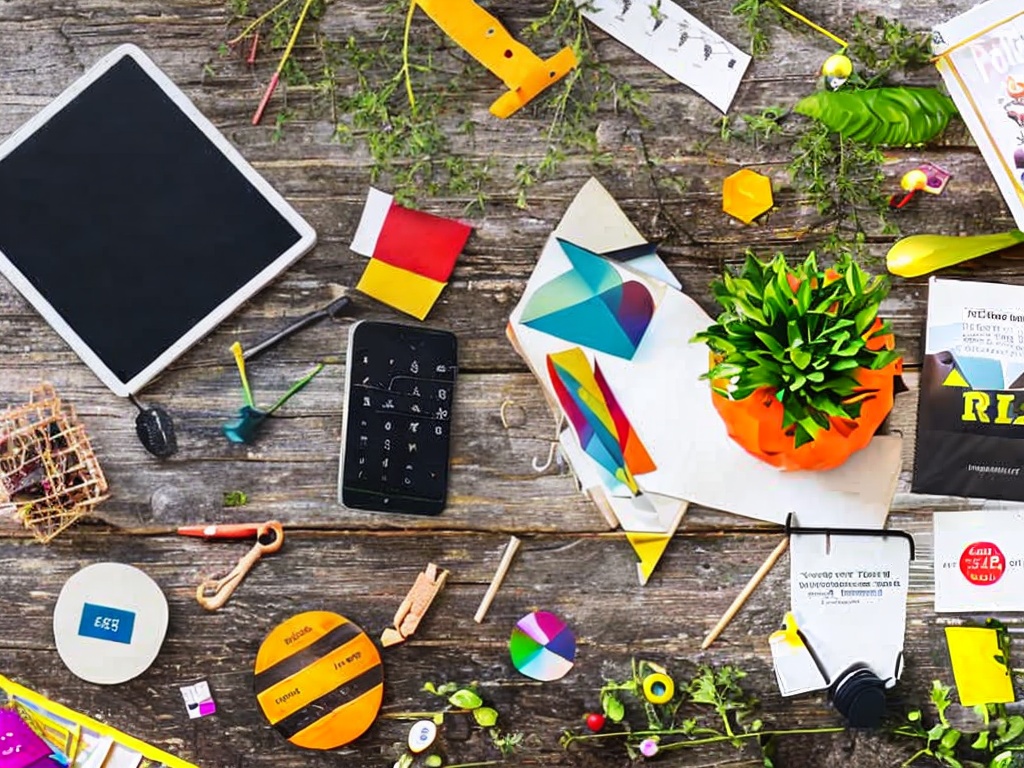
point(214, 593)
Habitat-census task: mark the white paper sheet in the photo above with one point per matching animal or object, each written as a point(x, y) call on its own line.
point(675, 42)
point(849, 598)
point(661, 393)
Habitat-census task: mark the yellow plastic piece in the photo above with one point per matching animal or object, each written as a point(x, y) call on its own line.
point(649, 547)
point(914, 180)
point(659, 688)
point(980, 678)
point(746, 195)
point(956, 379)
point(920, 254)
point(399, 288)
point(487, 41)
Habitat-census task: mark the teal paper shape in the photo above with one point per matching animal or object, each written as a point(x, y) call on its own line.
point(592, 305)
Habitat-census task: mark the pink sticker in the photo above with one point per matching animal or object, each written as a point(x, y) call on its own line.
point(19, 745)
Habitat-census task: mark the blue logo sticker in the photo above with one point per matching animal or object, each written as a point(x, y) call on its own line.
point(105, 623)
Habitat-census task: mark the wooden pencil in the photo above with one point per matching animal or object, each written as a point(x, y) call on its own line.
point(499, 576)
point(741, 598)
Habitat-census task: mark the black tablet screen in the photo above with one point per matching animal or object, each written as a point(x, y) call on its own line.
point(130, 222)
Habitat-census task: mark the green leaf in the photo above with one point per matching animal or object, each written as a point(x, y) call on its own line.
point(405, 761)
point(801, 358)
point(914, 715)
point(949, 738)
point(433, 761)
point(770, 342)
point(937, 731)
point(465, 699)
point(486, 717)
point(981, 742)
point(881, 116)
point(865, 318)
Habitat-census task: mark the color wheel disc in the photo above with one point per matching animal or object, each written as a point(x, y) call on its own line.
point(542, 647)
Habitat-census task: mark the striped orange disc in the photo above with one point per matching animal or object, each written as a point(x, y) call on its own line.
point(319, 680)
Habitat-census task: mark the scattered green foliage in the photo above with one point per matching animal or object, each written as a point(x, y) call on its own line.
point(801, 331)
point(235, 499)
point(759, 17)
point(884, 48)
point(996, 742)
point(461, 700)
point(712, 708)
point(840, 177)
point(396, 91)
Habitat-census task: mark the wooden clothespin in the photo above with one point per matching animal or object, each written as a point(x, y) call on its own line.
point(415, 606)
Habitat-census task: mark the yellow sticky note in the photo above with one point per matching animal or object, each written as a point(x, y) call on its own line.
point(980, 678)
point(399, 288)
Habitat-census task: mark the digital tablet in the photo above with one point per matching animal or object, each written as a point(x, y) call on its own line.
point(132, 224)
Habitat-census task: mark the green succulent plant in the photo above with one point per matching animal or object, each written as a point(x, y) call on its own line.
point(800, 331)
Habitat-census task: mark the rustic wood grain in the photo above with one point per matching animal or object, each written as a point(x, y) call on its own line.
point(361, 564)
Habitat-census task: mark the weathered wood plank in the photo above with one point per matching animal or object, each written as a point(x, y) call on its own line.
point(361, 564)
point(612, 616)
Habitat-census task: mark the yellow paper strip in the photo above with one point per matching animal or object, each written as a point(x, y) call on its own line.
point(405, 291)
point(59, 710)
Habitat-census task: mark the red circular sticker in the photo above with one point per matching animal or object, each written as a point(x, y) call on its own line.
point(982, 563)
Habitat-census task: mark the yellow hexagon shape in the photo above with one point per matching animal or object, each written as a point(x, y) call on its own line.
point(746, 195)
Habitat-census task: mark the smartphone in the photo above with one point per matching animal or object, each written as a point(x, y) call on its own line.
point(396, 434)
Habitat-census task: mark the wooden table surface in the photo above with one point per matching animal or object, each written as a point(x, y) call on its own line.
point(361, 564)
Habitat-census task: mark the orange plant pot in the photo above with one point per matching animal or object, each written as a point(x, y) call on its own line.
point(756, 421)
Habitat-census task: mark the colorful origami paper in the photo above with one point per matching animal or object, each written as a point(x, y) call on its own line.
point(412, 253)
point(602, 428)
point(592, 305)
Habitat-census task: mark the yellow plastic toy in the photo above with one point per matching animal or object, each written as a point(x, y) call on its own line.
point(746, 195)
point(487, 41)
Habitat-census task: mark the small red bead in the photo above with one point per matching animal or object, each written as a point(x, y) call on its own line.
point(595, 722)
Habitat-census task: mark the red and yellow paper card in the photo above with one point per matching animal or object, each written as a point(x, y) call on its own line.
point(412, 253)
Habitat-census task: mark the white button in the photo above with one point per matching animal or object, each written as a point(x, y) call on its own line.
point(422, 735)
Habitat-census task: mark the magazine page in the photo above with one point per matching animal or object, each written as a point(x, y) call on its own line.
point(981, 58)
point(970, 431)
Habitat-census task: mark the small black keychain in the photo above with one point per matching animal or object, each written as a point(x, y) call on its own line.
point(155, 429)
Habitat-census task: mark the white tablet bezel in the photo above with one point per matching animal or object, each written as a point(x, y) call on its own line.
point(307, 237)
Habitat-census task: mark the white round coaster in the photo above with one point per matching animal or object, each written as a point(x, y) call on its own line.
point(109, 623)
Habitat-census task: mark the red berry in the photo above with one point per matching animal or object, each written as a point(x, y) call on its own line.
point(595, 722)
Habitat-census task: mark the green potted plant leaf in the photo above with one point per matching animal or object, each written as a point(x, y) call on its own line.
point(802, 368)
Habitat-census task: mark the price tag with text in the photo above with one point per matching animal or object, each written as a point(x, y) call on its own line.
point(979, 561)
